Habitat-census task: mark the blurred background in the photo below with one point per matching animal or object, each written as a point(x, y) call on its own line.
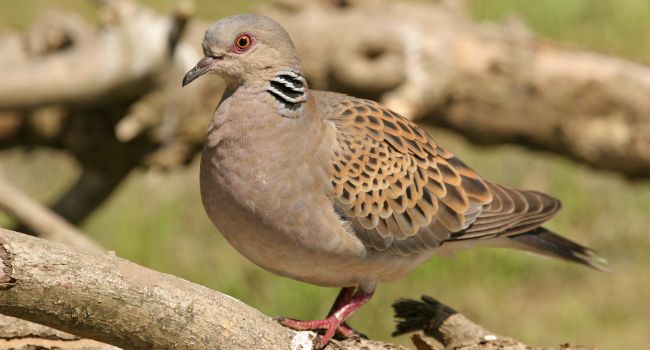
point(150, 211)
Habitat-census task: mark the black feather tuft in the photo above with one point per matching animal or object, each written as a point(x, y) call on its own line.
point(425, 315)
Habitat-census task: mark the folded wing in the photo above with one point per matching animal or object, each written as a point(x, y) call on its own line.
point(403, 192)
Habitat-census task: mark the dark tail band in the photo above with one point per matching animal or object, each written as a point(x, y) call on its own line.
point(543, 241)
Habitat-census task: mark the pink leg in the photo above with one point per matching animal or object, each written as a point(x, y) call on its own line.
point(347, 302)
point(343, 298)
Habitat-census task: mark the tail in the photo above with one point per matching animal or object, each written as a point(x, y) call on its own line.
point(543, 241)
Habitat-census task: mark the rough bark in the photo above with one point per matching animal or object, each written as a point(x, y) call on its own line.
point(17, 334)
point(114, 301)
point(492, 83)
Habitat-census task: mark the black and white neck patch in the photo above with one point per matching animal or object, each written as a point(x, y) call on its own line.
point(290, 91)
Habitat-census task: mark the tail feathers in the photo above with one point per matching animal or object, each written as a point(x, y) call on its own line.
point(543, 241)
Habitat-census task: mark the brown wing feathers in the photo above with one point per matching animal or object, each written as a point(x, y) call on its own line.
point(404, 192)
point(511, 212)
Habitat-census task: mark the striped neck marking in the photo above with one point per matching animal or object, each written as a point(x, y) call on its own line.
point(289, 89)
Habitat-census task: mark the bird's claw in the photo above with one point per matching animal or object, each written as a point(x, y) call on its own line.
point(331, 325)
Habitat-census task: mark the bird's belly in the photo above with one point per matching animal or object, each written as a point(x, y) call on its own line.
point(280, 225)
point(275, 251)
point(278, 231)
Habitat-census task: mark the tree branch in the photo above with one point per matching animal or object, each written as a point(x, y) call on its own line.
point(48, 224)
point(451, 329)
point(112, 300)
point(134, 112)
point(137, 40)
point(493, 83)
point(23, 335)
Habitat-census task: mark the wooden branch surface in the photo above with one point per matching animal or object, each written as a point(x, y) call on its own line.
point(493, 83)
point(452, 329)
point(136, 44)
point(45, 222)
point(17, 334)
point(114, 301)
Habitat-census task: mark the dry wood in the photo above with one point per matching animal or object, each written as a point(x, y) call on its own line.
point(493, 83)
point(112, 300)
point(451, 329)
point(84, 125)
point(116, 62)
point(45, 222)
point(18, 334)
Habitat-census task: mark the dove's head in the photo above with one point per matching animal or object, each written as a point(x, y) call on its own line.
point(245, 49)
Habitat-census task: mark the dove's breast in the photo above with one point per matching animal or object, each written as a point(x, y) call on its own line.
point(266, 190)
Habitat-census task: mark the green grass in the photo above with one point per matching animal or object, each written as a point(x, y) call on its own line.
point(615, 27)
point(19, 14)
point(157, 219)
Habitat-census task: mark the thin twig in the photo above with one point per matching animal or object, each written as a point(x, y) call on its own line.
point(41, 219)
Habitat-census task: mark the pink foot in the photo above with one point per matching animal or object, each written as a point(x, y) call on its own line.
point(330, 325)
point(346, 303)
point(348, 332)
point(343, 329)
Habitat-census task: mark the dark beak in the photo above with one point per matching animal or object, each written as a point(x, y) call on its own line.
point(204, 66)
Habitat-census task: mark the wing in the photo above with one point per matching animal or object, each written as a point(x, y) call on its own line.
point(403, 192)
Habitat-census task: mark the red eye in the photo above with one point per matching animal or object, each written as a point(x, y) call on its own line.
point(243, 43)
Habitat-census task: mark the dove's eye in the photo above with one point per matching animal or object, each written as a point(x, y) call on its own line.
point(243, 43)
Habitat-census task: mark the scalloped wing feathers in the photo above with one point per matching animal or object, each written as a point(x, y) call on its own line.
point(403, 192)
